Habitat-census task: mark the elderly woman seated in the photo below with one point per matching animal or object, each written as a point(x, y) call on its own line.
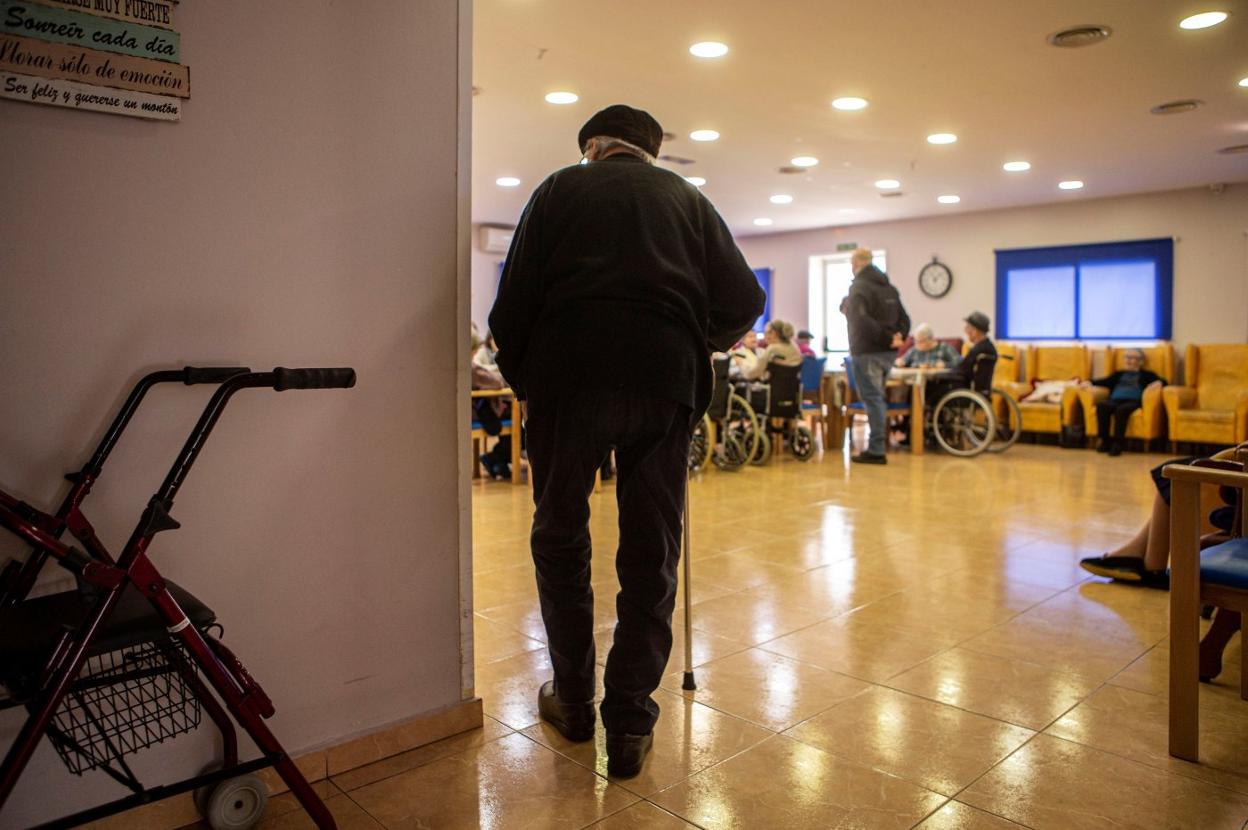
point(1126, 394)
point(928, 352)
point(780, 348)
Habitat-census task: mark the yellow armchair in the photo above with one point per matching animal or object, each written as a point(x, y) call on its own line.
point(1212, 406)
point(1148, 422)
point(1050, 363)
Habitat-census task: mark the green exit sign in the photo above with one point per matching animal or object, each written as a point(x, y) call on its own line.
point(846, 246)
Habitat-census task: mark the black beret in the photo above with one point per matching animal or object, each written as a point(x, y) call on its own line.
point(979, 320)
point(620, 121)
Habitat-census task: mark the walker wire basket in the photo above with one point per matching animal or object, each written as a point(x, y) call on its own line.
point(122, 702)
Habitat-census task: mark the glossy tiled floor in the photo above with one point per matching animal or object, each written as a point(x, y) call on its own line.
point(909, 646)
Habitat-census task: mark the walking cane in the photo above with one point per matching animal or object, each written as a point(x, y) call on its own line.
point(688, 684)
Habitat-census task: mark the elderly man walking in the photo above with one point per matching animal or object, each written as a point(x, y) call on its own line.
point(877, 324)
point(605, 251)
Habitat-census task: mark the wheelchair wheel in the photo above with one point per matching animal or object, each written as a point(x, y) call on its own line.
point(963, 423)
point(742, 422)
point(729, 455)
point(762, 454)
point(1009, 421)
point(803, 442)
point(699, 445)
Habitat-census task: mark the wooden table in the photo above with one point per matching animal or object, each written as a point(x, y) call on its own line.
point(513, 430)
point(832, 393)
point(916, 379)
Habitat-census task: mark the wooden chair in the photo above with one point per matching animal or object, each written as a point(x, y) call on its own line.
point(1212, 406)
point(1147, 423)
point(1216, 576)
point(1049, 363)
point(510, 427)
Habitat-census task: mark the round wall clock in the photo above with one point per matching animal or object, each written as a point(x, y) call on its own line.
point(935, 279)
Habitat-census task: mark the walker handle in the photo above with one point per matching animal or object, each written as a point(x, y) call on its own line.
point(192, 375)
point(284, 379)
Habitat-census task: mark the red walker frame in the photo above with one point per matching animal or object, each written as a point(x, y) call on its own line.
point(241, 695)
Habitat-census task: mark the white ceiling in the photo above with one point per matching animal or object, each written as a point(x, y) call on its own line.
point(979, 68)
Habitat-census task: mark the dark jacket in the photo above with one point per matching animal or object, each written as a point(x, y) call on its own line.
point(874, 313)
point(621, 275)
point(975, 370)
point(1111, 382)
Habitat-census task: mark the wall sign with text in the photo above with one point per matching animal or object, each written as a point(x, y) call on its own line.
point(113, 56)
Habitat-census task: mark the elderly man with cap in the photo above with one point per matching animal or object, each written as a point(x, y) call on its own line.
point(604, 250)
point(974, 371)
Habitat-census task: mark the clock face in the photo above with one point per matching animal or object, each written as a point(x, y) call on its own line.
point(935, 279)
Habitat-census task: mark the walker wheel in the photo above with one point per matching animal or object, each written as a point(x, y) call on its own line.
point(236, 804)
point(803, 443)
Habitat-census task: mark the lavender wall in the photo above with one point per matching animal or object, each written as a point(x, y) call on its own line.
point(306, 211)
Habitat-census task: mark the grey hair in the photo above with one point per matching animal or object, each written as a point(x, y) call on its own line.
point(606, 143)
point(924, 331)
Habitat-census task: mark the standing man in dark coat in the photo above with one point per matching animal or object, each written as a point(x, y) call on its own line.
point(877, 323)
point(620, 281)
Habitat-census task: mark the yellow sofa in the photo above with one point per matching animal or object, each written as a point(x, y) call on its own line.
point(1050, 363)
point(1212, 406)
point(1148, 422)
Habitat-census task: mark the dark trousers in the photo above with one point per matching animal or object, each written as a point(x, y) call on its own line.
point(568, 438)
point(1119, 412)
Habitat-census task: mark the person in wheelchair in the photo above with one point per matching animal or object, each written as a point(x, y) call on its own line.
point(780, 350)
point(975, 369)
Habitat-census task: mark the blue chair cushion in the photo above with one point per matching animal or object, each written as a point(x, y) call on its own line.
point(1226, 564)
point(476, 425)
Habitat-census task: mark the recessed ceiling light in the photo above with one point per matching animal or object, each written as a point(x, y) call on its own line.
point(762, 221)
point(562, 98)
point(1080, 36)
point(804, 161)
point(708, 49)
point(848, 211)
point(949, 199)
point(941, 138)
point(1243, 81)
point(696, 181)
point(850, 103)
point(507, 181)
point(704, 135)
point(1202, 21)
point(1073, 184)
point(888, 184)
point(1234, 149)
point(1016, 166)
point(781, 199)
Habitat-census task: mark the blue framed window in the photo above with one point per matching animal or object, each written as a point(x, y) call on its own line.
point(1106, 291)
point(764, 280)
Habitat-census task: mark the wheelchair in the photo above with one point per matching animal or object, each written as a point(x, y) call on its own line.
point(967, 421)
point(730, 433)
point(778, 403)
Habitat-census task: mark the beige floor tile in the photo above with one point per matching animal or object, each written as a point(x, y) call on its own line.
point(688, 738)
point(491, 730)
point(347, 814)
point(501, 586)
point(1151, 674)
point(1021, 693)
point(1108, 610)
point(957, 816)
point(783, 783)
point(827, 591)
point(933, 745)
point(508, 688)
point(1053, 644)
point(750, 617)
point(643, 816)
point(736, 572)
point(1135, 725)
point(1015, 568)
point(494, 641)
point(869, 652)
point(510, 782)
point(767, 689)
point(1052, 784)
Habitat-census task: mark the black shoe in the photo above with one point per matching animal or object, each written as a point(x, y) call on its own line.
point(1115, 449)
point(1120, 568)
point(868, 458)
point(1156, 579)
point(626, 754)
point(574, 721)
point(1103, 446)
point(490, 467)
point(503, 471)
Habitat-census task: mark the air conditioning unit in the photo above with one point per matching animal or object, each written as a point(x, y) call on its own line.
point(494, 240)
